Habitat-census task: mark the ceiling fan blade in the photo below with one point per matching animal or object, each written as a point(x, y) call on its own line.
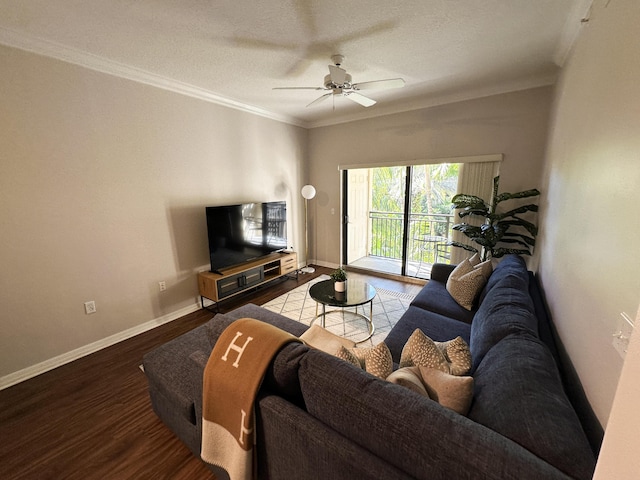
point(338, 75)
point(379, 84)
point(361, 99)
point(320, 99)
point(298, 88)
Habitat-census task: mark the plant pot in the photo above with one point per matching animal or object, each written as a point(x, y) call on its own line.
point(340, 286)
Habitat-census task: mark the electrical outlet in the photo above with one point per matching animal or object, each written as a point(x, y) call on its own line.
point(90, 307)
point(162, 285)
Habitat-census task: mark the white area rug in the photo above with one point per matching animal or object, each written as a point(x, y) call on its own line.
point(388, 307)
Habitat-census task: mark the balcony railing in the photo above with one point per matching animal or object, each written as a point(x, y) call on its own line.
point(427, 236)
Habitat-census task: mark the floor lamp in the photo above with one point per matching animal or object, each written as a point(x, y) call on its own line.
point(308, 192)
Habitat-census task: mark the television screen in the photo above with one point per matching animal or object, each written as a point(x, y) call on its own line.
point(239, 233)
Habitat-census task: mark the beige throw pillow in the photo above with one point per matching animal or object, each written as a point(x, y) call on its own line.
point(450, 391)
point(467, 280)
point(410, 378)
point(322, 339)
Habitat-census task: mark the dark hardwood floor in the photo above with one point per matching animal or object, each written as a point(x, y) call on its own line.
point(92, 418)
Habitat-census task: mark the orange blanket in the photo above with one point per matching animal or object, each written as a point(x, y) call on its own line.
point(231, 380)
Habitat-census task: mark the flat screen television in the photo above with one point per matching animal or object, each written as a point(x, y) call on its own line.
point(244, 232)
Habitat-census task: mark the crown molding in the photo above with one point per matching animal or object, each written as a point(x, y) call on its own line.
point(32, 44)
point(40, 46)
point(429, 101)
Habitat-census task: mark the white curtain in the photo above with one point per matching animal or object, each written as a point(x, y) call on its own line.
point(474, 178)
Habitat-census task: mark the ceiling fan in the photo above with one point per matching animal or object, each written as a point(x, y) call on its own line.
point(338, 82)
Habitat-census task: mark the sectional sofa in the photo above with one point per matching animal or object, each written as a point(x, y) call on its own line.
point(321, 417)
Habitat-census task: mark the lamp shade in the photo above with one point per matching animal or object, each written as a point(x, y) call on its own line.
point(308, 192)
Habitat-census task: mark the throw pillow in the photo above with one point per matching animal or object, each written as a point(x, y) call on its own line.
point(474, 259)
point(347, 356)
point(422, 351)
point(467, 280)
point(322, 339)
point(375, 360)
point(458, 355)
point(378, 361)
point(452, 356)
point(450, 391)
point(409, 377)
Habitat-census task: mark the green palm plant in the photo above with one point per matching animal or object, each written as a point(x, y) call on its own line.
point(497, 228)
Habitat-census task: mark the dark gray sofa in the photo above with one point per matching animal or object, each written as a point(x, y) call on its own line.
point(321, 417)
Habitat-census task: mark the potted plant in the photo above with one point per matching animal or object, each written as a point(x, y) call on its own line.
point(339, 277)
point(497, 228)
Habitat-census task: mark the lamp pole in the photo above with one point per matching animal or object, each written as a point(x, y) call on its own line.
point(308, 192)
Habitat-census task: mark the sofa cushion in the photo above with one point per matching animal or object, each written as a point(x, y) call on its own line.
point(506, 309)
point(434, 297)
point(508, 264)
point(437, 327)
point(518, 393)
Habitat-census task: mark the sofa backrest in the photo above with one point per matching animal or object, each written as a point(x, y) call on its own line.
point(519, 394)
point(411, 432)
point(506, 308)
point(518, 391)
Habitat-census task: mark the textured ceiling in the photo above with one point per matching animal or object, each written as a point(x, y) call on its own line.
point(235, 52)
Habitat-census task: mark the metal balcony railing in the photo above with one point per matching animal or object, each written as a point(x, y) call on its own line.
point(427, 236)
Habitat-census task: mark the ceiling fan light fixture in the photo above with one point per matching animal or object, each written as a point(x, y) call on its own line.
point(339, 82)
point(329, 83)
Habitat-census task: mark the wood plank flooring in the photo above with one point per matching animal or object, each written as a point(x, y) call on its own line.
point(92, 418)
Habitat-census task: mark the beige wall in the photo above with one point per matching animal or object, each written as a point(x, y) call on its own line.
point(103, 184)
point(589, 245)
point(514, 124)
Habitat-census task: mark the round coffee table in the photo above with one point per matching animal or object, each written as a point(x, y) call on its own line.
point(357, 293)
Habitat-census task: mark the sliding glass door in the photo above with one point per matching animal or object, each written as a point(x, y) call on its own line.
point(398, 218)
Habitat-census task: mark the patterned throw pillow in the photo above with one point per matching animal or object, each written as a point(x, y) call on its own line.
point(458, 354)
point(467, 280)
point(450, 391)
point(347, 356)
point(421, 350)
point(452, 356)
point(375, 360)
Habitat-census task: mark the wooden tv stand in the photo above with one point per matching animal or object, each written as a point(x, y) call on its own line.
point(235, 280)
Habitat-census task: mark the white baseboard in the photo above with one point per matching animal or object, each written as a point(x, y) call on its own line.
point(323, 264)
point(55, 362)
